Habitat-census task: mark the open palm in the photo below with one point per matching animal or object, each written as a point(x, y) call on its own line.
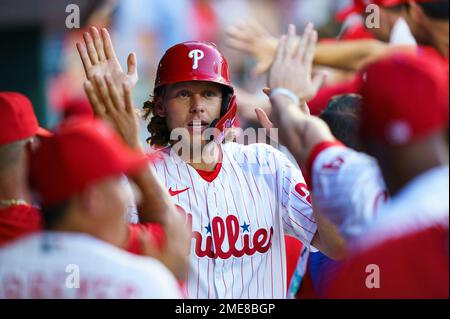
point(99, 59)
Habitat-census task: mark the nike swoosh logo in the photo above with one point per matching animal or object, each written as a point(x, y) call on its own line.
point(175, 193)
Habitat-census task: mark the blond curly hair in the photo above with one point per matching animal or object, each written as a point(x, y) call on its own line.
point(157, 127)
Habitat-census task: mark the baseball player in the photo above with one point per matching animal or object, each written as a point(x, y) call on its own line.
point(239, 201)
point(80, 254)
point(394, 91)
point(18, 135)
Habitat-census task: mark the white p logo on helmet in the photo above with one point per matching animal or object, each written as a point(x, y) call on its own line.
point(196, 55)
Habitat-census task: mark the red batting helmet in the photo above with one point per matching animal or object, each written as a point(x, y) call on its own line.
point(193, 61)
point(199, 61)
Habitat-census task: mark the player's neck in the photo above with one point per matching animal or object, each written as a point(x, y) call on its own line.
point(415, 160)
point(111, 231)
point(211, 155)
point(14, 183)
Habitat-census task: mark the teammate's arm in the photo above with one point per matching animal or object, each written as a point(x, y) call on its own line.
point(301, 132)
point(156, 206)
point(351, 55)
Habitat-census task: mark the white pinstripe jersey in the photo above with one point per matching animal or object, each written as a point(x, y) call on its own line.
point(239, 220)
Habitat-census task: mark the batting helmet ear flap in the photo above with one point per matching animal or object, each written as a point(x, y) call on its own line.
point(226, 99)
point(225, 122)
point(227, 95)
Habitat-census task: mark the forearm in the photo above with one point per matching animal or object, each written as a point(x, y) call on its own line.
point(156, 206)
point(328, 239)
point(349, 55)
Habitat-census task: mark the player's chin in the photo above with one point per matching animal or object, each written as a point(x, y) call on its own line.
point(197, 130)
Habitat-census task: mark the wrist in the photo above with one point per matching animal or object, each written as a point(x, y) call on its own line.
point(280, 91)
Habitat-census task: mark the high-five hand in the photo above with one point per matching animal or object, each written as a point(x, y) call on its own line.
point(292, 67)
point(98, 57)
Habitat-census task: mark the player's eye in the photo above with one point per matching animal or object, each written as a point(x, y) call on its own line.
point(210, 94)
point(183, 94)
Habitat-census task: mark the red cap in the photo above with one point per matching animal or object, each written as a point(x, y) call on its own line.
point(17, 118)
point(405, 97)
point(193, 61)
point(78, 155)
point(359, 6)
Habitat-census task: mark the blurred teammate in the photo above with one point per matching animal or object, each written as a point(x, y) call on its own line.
point(85, 232)
point(413, 156)
point(19, 129)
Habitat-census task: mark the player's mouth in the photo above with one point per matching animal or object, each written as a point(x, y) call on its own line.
point(198, 126)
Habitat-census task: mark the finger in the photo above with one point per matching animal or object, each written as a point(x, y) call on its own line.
point(280, 49)
point(239, 45)
point(267, 91)
point(90, 48)
point(109, 49)
point(290, 42)
point(259, 28)
point(233, 32)
point(238, 32)
point(128, 98)
point(84, 57)
point(132, 64)
point(98, 43)
point(263, 118)
point(113, 94)
point(97, 106)
point(259, 69)
point(305, 108)
point(102, 88)
point(310, 49)
point(303, 41)
point(255, 27)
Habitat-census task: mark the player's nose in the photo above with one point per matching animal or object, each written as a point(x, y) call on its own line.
point(197, 104)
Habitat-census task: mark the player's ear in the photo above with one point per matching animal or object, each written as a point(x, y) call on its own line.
point(159, 109)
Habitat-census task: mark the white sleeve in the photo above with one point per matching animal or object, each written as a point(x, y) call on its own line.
point(294, 200)
point(158, 282)
point(348, 188)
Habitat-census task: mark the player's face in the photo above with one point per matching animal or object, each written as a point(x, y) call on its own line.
point(192, 106)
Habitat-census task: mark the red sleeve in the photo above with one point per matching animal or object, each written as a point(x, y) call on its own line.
point(155, 231)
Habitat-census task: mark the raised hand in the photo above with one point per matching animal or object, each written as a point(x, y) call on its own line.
point(252, 38)
point(98, 57)
point(114, 108)
point(292, 67)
